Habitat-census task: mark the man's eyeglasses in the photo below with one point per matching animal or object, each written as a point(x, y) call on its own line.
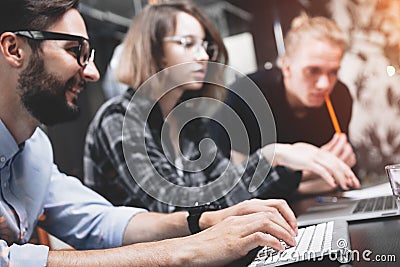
point(84, 54)
point(194, 44)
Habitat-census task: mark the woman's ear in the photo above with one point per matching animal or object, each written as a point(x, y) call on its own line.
point(11, 50)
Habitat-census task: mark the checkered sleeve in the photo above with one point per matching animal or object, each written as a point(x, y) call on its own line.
point(106, 169)
point(120, 172)
point(271, 182)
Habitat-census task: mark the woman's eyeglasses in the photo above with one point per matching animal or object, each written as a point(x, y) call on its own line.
point(194, 44)
point(84, 54)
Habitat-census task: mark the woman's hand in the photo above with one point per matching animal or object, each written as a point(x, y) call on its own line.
point(306, 157)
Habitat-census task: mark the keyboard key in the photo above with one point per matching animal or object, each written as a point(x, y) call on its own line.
point(317, 241)
point(379, 204)
point(390, 203)
point(305, 241)
point(360, 206)
point(311, 241)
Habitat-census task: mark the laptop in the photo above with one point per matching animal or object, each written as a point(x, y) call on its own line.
point(355, 205)
point(314, 243)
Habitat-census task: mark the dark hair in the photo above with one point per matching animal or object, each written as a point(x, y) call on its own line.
point(32, 14)
point(143, 44)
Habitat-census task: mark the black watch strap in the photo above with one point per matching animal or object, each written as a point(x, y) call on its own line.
point(193, 222)
point(194, 216)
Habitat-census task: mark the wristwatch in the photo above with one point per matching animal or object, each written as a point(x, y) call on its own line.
point(195, 213)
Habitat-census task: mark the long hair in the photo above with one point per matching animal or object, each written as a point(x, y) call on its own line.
point(143, 51)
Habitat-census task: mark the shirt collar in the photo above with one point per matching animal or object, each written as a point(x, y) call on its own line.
point(8, 146)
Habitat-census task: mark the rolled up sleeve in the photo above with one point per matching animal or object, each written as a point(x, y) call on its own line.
point(23, 255)
point(82, 218)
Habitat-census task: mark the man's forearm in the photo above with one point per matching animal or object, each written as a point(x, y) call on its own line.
point(153, 226)
point(161, 253)
point(230, 237)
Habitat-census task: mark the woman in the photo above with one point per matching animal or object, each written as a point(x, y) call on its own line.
point(153, 164)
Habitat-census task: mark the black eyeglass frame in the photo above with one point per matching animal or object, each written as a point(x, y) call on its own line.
point(207, 45)
point(83, 60)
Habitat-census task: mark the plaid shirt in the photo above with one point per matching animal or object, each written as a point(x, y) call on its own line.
point(106, 170)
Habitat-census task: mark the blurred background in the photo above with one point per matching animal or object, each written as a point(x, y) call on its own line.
point(256, 28)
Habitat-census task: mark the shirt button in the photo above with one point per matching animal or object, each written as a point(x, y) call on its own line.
point(2, 159)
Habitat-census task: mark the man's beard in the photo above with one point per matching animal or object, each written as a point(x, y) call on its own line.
point(43, 94)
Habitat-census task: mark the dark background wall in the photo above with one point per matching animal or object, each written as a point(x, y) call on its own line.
point(107, 21)
point(374, 30)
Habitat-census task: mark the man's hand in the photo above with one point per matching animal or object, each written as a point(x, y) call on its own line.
point(235, 236)
point(341, 148)
point(283, 215)
point(227, 241)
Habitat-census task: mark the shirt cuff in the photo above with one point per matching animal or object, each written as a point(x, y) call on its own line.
point(28, 255)
point(118, 222)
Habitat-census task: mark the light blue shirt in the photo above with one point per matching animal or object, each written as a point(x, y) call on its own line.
point(31, 186)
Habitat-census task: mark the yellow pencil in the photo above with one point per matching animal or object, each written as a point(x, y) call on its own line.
point(332, 114)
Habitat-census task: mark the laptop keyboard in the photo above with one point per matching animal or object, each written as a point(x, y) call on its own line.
point(375, 204)
point(312, 241)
